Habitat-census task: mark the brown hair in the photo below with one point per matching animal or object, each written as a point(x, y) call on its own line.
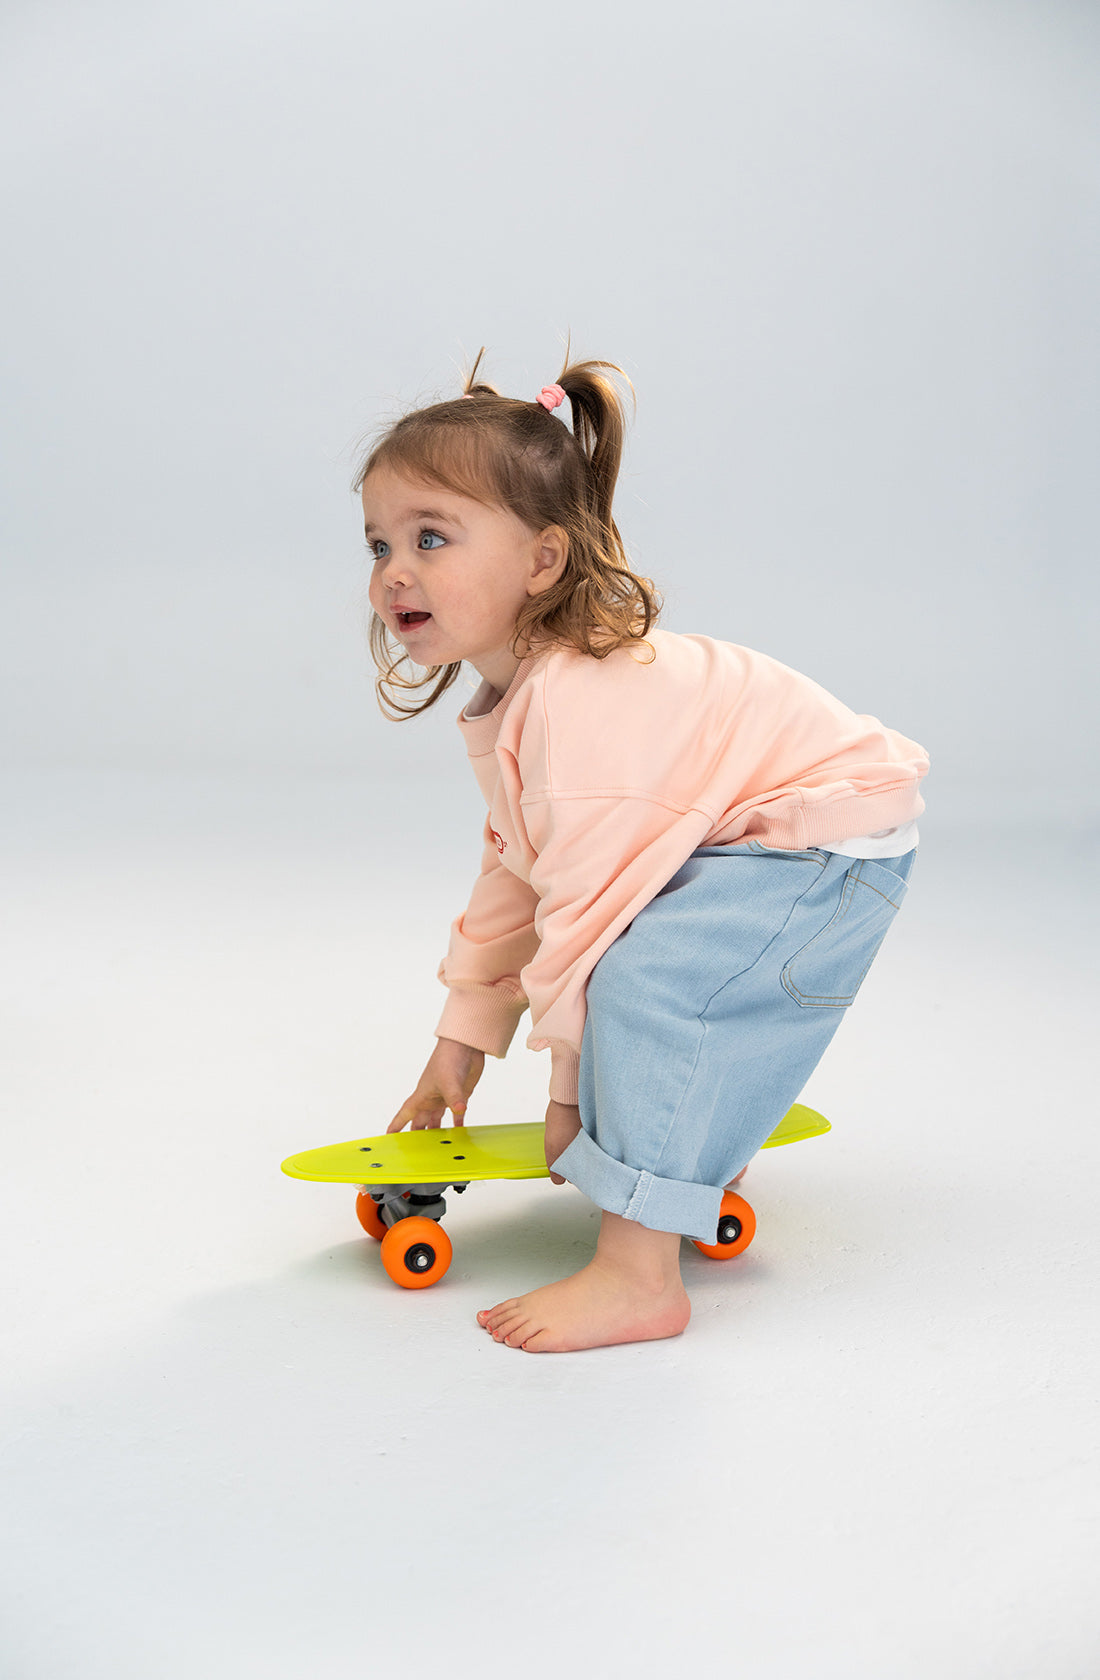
point(503, 452)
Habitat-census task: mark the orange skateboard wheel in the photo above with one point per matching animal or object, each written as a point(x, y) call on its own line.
point(736, 1229)
point(416, 1252)
point(370, 1217)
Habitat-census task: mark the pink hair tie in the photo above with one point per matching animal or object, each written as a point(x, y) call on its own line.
point(550, 396)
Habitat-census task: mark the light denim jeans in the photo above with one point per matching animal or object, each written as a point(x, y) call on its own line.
point(708, 1014)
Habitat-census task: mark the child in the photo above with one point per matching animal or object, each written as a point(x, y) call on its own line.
point(692, 852)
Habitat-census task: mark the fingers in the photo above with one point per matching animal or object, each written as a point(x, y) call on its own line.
point(444, 1084)
point(426, 1118)
point(419, 1118)
point(413, 1117)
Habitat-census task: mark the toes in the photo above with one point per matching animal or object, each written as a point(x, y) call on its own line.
point(510, 1304)
point(510, 1326)
point(518, 1334)
point(501, 1321)
point(488, 1317)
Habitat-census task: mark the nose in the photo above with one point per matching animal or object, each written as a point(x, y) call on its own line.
point(392, 574)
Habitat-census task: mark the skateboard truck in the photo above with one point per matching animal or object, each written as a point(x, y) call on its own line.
point(406, 1201)
point(404, 1218)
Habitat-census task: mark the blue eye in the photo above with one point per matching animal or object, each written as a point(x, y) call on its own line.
point(377, 547)
point(424, 534)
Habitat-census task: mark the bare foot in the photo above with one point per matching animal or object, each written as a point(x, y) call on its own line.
point(630, 1291)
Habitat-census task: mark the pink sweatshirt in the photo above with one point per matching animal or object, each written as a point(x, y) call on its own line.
point(603, 776)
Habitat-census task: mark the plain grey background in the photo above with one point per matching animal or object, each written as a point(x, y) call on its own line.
point(847, 251)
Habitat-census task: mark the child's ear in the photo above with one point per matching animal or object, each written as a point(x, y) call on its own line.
point(553, 552)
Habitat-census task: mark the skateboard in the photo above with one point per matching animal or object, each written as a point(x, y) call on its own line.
point(402, 1177)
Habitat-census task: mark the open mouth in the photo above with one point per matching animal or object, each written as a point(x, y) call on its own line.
point(410, 620)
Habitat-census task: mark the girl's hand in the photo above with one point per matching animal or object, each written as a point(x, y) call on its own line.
point(563, 1122)
point(451, 1073)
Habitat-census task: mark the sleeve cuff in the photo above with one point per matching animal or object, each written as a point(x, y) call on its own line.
point(564, 1071)
point(482, 1017)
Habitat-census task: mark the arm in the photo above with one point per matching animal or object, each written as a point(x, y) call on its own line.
point(490, 944)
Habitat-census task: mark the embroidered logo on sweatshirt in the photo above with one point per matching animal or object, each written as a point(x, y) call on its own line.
point(500, 843)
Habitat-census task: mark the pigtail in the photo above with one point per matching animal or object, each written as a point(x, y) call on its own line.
point(599, 426)
point(603, 603)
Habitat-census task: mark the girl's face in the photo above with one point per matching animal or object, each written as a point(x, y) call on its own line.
point(470, 568)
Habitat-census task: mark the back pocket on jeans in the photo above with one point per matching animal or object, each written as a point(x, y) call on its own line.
point(827, 972)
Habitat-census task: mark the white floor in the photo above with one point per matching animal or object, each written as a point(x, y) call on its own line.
point(233, 1448)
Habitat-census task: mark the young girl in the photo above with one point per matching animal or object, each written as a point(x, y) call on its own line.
point(691, 856)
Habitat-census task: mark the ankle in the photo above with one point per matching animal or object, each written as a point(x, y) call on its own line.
point(650, 1259)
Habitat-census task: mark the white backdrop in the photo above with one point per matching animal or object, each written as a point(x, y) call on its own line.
point(847, 252)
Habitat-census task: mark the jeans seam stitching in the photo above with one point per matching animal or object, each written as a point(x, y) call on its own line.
point(826, 1000)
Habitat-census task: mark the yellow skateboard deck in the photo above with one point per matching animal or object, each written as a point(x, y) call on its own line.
point(465, 1154)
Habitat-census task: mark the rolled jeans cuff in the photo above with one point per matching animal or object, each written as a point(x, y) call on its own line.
point(661, 1204)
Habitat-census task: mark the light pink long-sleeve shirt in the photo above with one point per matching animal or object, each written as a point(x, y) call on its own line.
point(603, 776)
